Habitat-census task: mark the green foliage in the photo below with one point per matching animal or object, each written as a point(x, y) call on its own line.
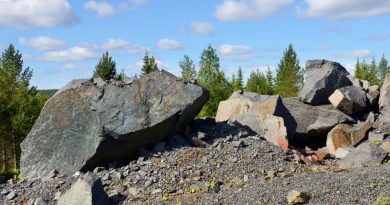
point(270, 82)
point(257, 83)
point(10, 174)
point(289, 75)
point(382, 200)
point(150, 65)
point(383, 68)
point(20, 105)
point(187, 68)
point(106, 68)
point(373, 73)
point(237, 82)
point(48, 93)
point(214, 80)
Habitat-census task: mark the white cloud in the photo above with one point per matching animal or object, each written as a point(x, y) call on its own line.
point(379, 37)
point(120, 45)
point(202, 28)
point(102, 9)
point(345, 9)
point(42, 43)
point(168, 44)
point(72, 54)
point(236, 52)
point(234, 10)
point(72, 67)
point(363, 53)
point(29, 14)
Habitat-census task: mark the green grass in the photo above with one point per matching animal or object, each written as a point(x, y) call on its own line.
point(382, 200)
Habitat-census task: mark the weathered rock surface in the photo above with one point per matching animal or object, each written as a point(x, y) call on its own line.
point(344, 136)
point(265, 115)
point(384, 106)
point(91, 123)
point(86, 191)
point(366, 154)
point(322, 78)
point(349, 99)
point(314, 121)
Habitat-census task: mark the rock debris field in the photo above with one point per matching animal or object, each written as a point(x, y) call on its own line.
point(138, 141)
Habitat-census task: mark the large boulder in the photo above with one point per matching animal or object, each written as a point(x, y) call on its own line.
point(366, 154)
point(314, 122)
point(92, 123)
point(263, 114)
point(384, 106)
point(346, 136)
point(85, 191)
point(322, 78)
point(349, 99)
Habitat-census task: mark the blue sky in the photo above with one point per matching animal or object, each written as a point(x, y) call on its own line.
point(64, 39)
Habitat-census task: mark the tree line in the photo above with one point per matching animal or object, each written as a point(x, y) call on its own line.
point(287, 81)
point(373, 72)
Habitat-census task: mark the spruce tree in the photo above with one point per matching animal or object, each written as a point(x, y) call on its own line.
point(289, 75)
point(187, 68)
point(383, 69)
point(270, 82)
point(149, 65)
point(237, 82)
point(358, 70)
point(257, 83)
point(106, 68)
point(373, 73)
point(214, 80)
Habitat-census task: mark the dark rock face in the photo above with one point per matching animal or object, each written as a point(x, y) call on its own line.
point(90, 123)
point(314, 121)
point(322, 79)
point(366, 154)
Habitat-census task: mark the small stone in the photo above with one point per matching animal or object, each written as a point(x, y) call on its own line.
point(39, 201)
point(77, 174)
point(106, 177)
point(386, 146)
point(296, 197)
point(156, 191)
point(118, 175)
point(53, 173)
point(271, 174)
point(233, 159)
point(246, 178)
point(57, 195)
point(99, 169)
point(133, 191)
point(12, 195)
point(376, 137)
point(238, 144)
point(204, 160)
point(4, 192)
point(220, 147)
point(148, 183)
point(142, 173)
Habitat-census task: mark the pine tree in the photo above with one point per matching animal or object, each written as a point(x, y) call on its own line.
point(214, 80)
point(289, 75)
point(20, 105)
point(373, 73)
point(106, 68)
point(149, 65)
point(270, 82)
point(383, 69)
point(187, 68)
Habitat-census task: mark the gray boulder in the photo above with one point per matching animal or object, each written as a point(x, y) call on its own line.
point(85, 191)
point(384, 107)
point(349, 99)
point(314, 121)
point(366, 154)
point(91, 123)
point(322, 78)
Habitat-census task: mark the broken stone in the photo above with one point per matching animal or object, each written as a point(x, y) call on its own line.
point(314, 122)
point(384, 106)
point(366, 154)
point(86, 191)
point(265, 115)
point(297, 197)
point(349, 99)
point(322, 78)
point(342, 152)
point(11, 195)
point(344, 135)
point(376, 137)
